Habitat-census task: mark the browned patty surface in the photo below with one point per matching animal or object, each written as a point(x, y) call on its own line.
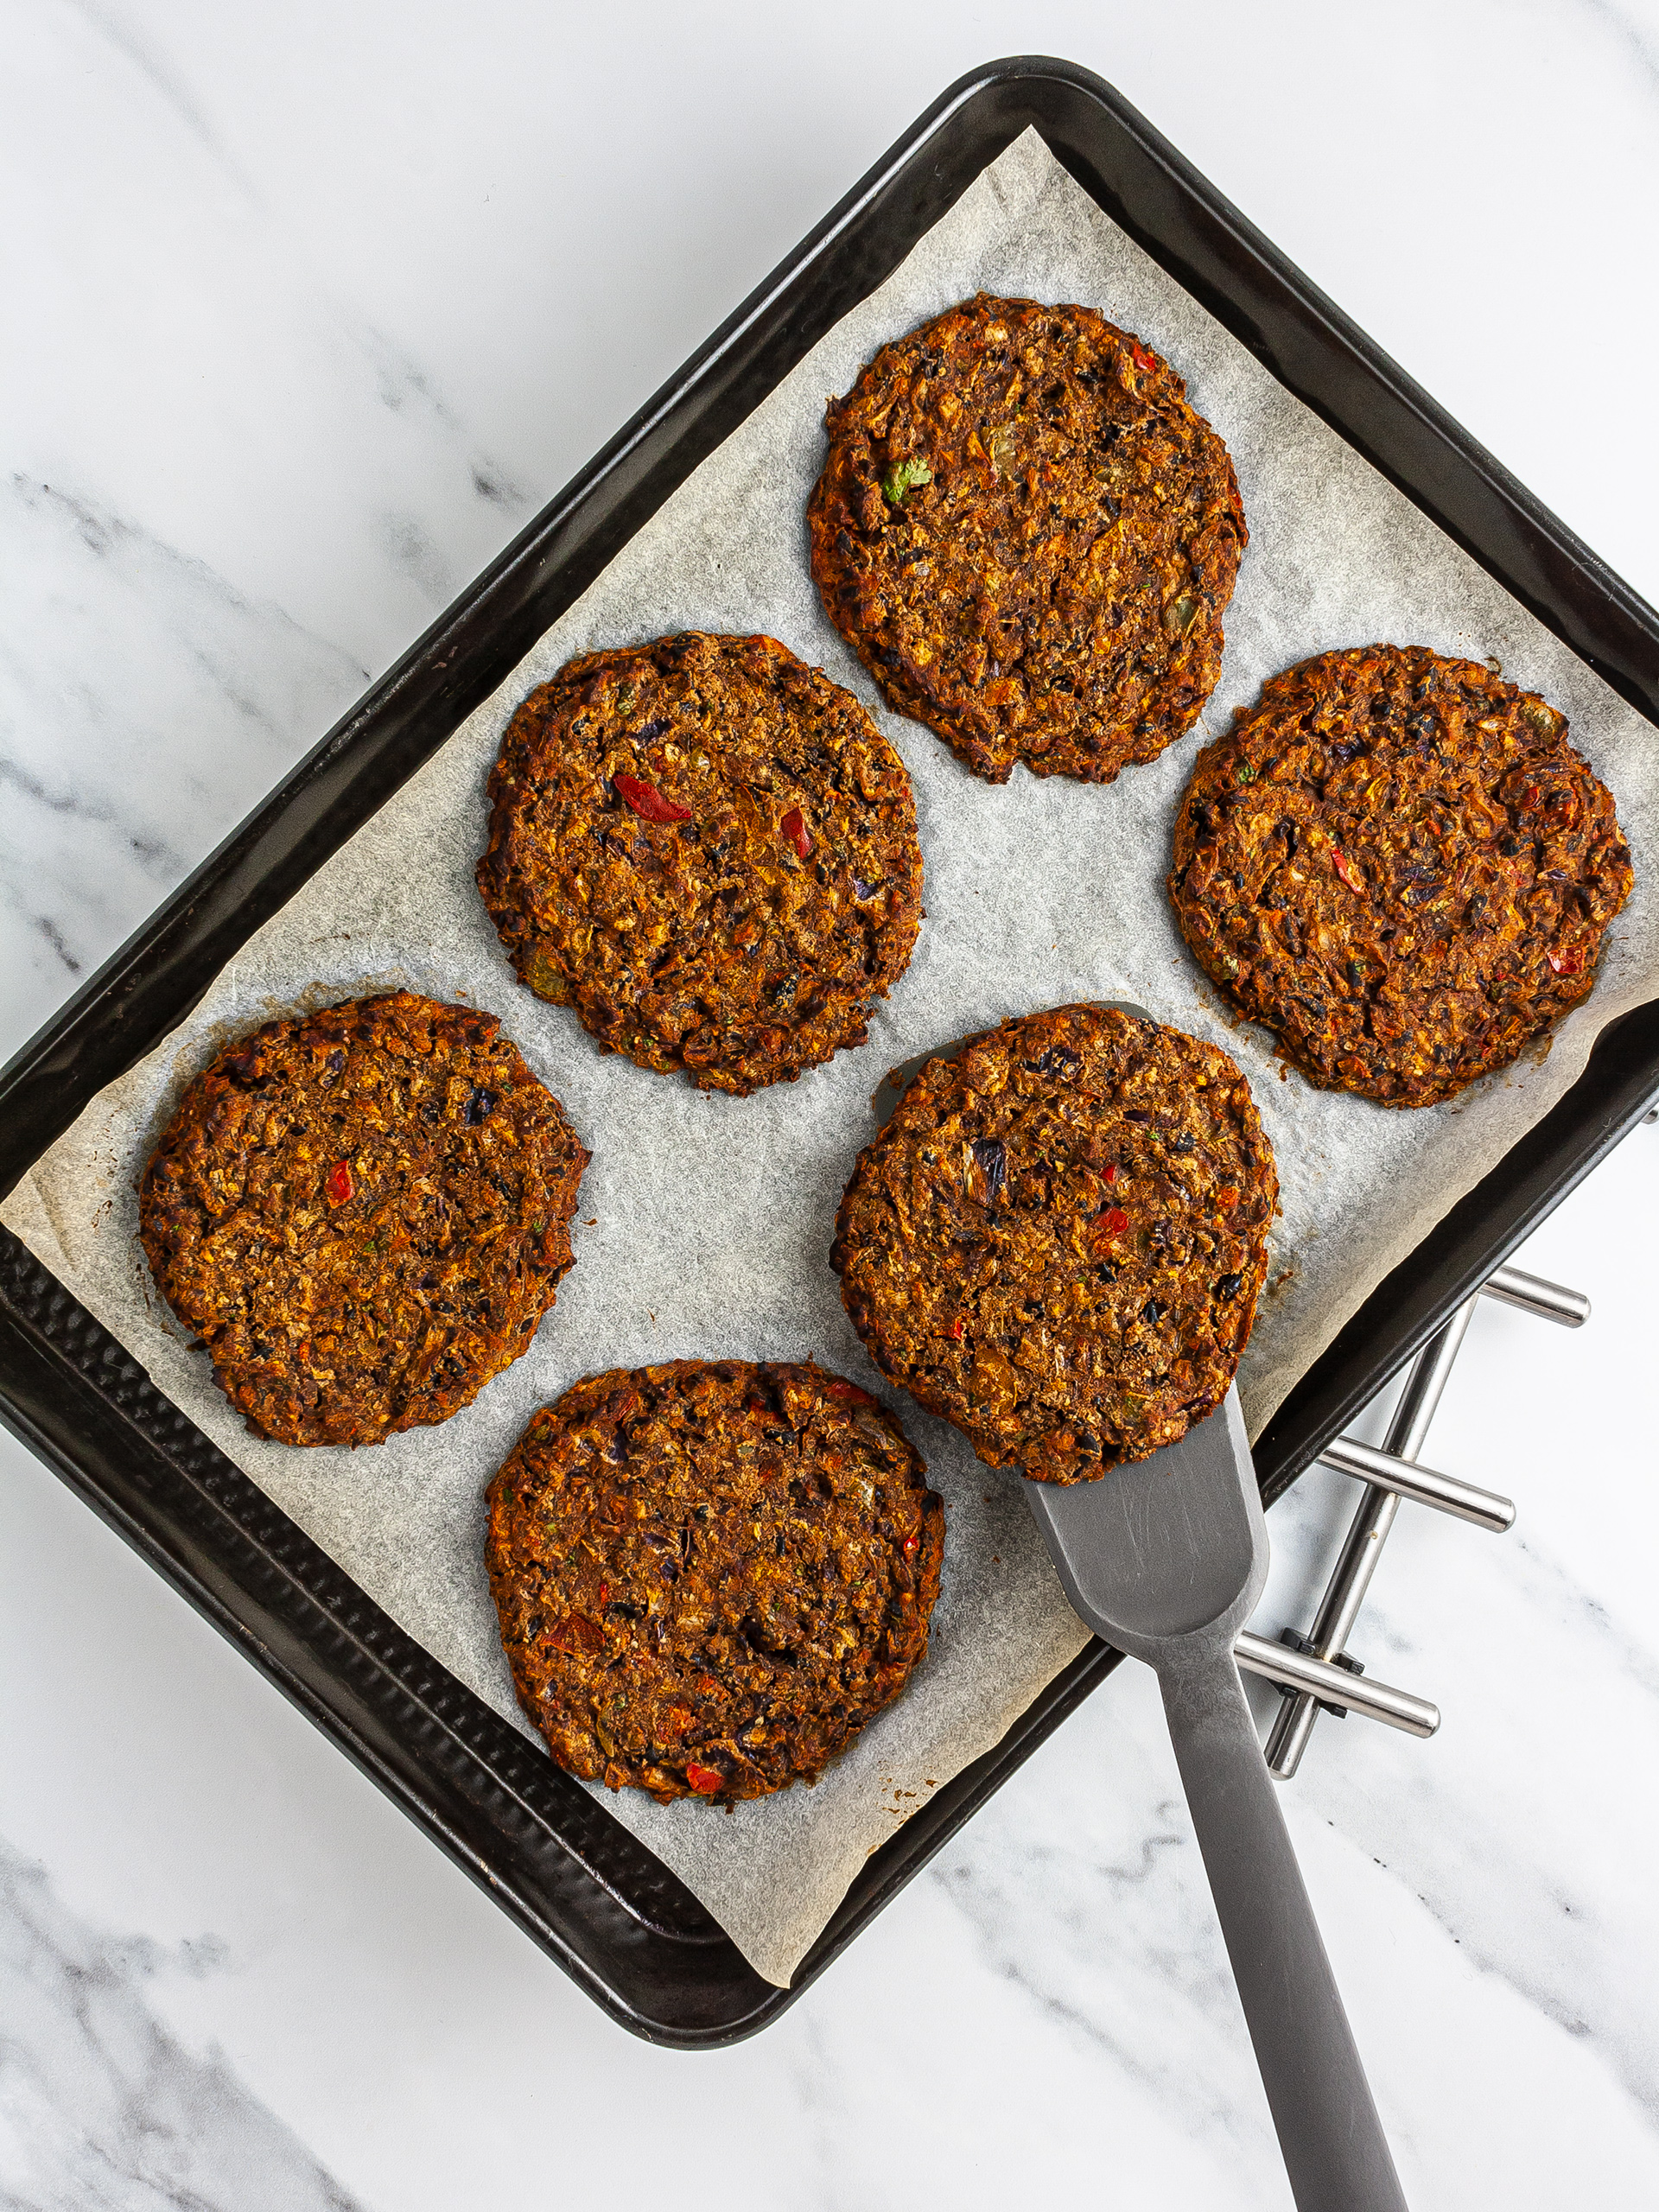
point(363, 1215)
point(1398, 863)
point(1057, 1241)
point(1028, 536)
point(709, 850)
point(710, 1576)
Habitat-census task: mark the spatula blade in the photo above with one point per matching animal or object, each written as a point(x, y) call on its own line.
point(1163, 1547)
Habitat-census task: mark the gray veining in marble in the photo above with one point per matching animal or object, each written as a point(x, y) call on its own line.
point(100, 2105)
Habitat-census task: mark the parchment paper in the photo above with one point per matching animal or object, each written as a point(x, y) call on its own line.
point(704, 1221)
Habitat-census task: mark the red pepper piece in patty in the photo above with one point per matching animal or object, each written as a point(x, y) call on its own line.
point(576, 1634)
point(848, 1390)
point(647, 802)
point(704, 1779)
point(339, 1186)
point(1114, 1222)
point(795, 829)
point(1346, 868)
point(1566, 960)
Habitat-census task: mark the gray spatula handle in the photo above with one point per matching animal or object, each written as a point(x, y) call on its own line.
point(1334, 2149)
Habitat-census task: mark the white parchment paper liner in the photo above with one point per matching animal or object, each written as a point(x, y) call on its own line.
point(704, 1221)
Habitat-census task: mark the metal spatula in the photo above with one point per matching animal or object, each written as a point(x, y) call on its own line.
point(1166, 1559)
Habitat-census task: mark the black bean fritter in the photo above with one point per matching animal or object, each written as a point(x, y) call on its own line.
point(1028, 535)
point(711, 1575)
point(1057, 1241)
point(709, 850)
point(363, 1214)
point(1398, 863)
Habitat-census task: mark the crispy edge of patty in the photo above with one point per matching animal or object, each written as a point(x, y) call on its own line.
point(1286, 716)
point(840, 507)
point(870, 1223)
point(770, 1399)
point(787, 1047)
point(172, 1223)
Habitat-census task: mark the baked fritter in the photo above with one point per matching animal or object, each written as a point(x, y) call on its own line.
point(1057, 1241)
point(1398, 863)
point(363, 1214)
point(1028, 536)
point(710, 1576)
point(709, 850)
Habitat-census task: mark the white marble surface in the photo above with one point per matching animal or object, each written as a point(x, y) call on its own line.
point(308, 309)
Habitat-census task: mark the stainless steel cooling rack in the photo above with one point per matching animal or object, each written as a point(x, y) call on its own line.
point(1315, 1673)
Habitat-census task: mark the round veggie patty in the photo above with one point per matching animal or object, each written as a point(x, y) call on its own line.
point(1028, 536)
point(710, 1575)
point(363, 1214)
point(709, 850)
point(1057, 1241)
point(1398, 863)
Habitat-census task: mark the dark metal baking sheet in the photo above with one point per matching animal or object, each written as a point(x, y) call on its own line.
point(550, 1854)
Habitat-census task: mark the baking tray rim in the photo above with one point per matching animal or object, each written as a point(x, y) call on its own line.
point(1032, 90)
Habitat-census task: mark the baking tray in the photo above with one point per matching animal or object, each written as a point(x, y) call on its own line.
point(584, 1889)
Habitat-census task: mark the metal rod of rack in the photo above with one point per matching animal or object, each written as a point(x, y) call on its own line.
point(1548, 1300)
point(1483, 1507)
point(1299, 1670)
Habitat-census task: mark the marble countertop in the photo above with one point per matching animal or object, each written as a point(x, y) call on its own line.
point(309, 310)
